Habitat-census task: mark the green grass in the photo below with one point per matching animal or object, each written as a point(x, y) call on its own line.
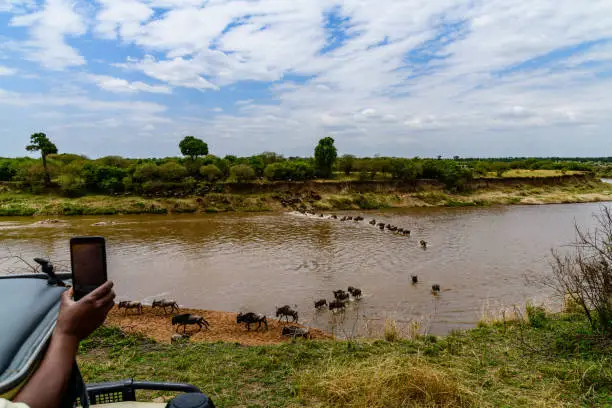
point(554, 362)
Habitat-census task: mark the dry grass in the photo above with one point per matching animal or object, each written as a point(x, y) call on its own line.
point(384, 381)
point(391, 332)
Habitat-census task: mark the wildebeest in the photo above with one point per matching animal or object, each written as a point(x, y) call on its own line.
point(356, 292)
point(320, 303)
point(126, 304)
point(251, 318)
point(340, 295)
point(358, 218)
point(286, 312)
point(435, 288)
point(349, 218)
point(188, 318)
point(321, 215)
point(415, 279)
point(337, 304)
point(163, 303)
point(400, 230)
point(295, 331)
point(381, 226)
point(423, 244)
point(372, 222)
point(334, 217)
point(406, 232)
point(343, 218)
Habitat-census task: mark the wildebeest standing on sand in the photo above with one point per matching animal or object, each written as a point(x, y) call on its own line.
point(163, 303)
point(252, 318)
point(126, 304)
point(188, 318)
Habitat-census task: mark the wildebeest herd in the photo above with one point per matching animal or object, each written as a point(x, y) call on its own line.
point(381, 225)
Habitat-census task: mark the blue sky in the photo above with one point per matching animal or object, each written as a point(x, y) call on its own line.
point(404, 78)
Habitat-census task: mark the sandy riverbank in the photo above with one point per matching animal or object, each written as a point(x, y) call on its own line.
point(154, 323)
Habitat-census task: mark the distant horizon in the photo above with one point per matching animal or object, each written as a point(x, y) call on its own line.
point(501, 78)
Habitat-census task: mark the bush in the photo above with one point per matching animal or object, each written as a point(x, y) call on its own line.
point(171, 171)
point(242, 173)
point(145, 172)
point(290, 170)
point(211, 172)
point(584, 275)
point(536, 315)
point(71, 185)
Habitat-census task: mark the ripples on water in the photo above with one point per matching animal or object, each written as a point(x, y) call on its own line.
point(239, 262)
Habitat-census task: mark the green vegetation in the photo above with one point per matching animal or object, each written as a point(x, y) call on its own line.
point(556, 362)
point(199, 172)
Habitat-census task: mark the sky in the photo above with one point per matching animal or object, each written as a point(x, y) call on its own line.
point(391, 77)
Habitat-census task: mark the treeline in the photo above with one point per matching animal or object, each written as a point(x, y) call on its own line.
point(200, 172)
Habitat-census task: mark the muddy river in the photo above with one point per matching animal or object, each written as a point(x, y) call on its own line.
point(240, 262)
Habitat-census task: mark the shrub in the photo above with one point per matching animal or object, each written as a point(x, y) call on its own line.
point(71, 185)
point(211, 172)
point(171, 171)
point(242, 173)
point(145, 172)
point(536, 315)
point(584, 275)
point(290, 170)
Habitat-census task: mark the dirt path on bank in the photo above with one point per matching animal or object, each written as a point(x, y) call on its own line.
point(155, 324)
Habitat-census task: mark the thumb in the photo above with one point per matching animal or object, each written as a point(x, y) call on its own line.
point(67, 296)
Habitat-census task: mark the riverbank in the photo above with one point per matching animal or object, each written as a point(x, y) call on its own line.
point(553, 363)
point(155, 324)
point(317, 197)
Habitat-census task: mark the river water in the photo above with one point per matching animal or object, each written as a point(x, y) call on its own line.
point(240, 262)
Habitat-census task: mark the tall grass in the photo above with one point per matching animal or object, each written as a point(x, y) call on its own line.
point(383, 381)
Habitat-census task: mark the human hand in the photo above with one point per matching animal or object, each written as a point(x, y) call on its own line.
point(79, 319)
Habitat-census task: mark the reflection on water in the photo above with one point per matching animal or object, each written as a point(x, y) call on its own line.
point(239, 262)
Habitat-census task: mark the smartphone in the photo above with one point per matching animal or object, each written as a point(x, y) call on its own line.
point(88, 260)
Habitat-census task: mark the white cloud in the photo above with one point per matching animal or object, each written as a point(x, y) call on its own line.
point(16, 6)
point(119, 85)
point(176, 72)
point(121, 17)
point(48, 29)
point(7, 71)
point(501, 67)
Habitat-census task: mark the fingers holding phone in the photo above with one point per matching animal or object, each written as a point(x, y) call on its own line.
point(88, 260)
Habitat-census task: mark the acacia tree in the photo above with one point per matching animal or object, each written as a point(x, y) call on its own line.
point(40, 142)
point(193, 147)
point(325, 156)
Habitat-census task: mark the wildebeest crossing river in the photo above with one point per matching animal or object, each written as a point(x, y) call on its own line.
point(254, 262)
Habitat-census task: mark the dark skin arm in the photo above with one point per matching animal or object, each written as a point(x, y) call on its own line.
point(76, 321)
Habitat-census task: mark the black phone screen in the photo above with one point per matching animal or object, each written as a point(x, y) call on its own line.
point(88, 258)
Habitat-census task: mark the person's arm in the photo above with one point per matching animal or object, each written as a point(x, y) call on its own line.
point(76, 321)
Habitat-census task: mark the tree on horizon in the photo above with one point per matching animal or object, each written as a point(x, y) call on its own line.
point(325, 156)
point(40, 142)
point(193, 147)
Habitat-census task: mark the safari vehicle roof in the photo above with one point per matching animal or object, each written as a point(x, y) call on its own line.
point(28, 312)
